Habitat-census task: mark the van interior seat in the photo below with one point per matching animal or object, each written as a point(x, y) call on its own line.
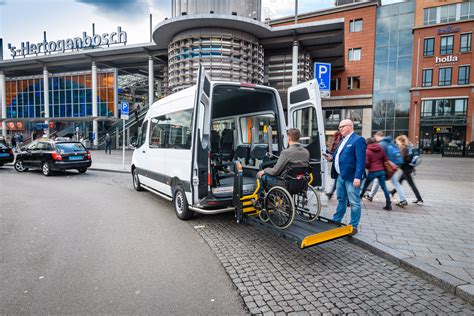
point(227, 144)
point(242, 154)
point(215, 140)
point(258, 154)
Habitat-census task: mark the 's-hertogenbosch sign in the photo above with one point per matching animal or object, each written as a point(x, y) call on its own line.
point(76, 43)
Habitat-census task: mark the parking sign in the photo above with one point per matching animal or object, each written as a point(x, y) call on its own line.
point(124, 110)
point(322, 74)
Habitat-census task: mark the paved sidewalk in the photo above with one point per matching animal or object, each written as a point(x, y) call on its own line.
point(435, 240)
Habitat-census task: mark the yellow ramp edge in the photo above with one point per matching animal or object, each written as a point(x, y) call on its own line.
point(325, 236)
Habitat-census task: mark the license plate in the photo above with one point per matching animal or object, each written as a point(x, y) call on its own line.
point(76, 157)
point(4, 155)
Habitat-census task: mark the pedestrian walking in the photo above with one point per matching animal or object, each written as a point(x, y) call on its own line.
point(394, 155)
point(13, 141)
point(108, 143)
point(18, 140)
point(375, 159)
point(407, 168)
point(349, 163)
point(335, 143)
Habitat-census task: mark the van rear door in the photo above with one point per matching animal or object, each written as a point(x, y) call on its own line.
point(305, 113)
point(201, 137)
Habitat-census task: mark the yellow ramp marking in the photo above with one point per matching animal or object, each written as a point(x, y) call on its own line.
point(325, 236)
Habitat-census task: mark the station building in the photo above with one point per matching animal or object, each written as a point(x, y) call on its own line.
point(442, 91)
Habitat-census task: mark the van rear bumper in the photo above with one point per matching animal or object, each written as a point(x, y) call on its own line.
point(212, 211)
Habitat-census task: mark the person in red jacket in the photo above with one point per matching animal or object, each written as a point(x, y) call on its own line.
point(374, 163)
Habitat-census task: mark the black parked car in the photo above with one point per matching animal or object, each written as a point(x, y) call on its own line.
point(6, 154)
point(50, 156)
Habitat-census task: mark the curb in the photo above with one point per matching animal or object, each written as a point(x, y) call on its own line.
point(110, 170)
point(437, 277)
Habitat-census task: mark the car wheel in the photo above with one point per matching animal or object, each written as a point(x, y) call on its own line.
point(181, 206)
point(82, 170)
point(46, 169)
point(136, 181)
point(19, 166)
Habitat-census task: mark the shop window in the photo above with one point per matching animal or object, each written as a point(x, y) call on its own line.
point(355, 54)
point(428, 47)
point(444, 77)
point(353, 83)
point(463, 74)
point(427, 78)
point(466, 43)
point(447, 45)
point(355, 26)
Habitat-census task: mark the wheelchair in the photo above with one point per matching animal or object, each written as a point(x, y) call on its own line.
point(292, 195)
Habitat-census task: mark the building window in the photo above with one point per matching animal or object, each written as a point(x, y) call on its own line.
point(354, 54)
point(427, 108)
point(336, 84)
point(428, 47)
point(448, 13)
point(353, 83)
point(427, 78)
point(430, 16)
point(466, 43)
point(355, 26)
point(444, 78)
point(447, 45)
point(463, 74)
point(460, 106)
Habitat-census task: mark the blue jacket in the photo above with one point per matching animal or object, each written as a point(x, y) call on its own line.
point(352, 158)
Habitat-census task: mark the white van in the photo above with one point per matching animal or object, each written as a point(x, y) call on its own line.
point(188, 140)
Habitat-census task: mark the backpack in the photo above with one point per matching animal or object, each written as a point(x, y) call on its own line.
point(415, 156)
point(394, 154)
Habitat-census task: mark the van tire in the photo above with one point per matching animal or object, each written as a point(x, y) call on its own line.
point(181, 206)
point(136, 181)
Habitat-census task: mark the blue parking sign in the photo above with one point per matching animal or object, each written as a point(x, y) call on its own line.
point(322, 74)
point(124, 110)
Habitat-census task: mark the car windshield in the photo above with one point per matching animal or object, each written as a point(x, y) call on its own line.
point(65, 148)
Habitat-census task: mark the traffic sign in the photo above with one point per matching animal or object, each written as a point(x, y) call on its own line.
point(322, 74)
point(124, 110)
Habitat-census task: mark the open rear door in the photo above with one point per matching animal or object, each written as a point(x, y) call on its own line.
point(201, 137)
point(305, 113)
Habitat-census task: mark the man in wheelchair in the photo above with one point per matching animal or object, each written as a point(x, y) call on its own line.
point(293, 162)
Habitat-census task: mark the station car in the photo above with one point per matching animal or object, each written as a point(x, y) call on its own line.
point(50, 156)
point(6, 155)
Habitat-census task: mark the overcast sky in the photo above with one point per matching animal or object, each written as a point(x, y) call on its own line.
point(25, 20)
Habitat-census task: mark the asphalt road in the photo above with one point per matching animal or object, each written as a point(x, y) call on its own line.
point(88, 243)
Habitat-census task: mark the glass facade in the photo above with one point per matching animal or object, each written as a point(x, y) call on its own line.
point(70, 95)
point(393, 66)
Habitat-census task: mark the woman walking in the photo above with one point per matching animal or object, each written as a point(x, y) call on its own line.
point(407, 169)
point(374, 162)
point(335, 143)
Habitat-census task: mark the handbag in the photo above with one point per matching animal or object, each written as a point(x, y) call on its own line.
point(390, 169)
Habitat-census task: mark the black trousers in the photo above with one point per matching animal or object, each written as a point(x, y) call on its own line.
point(407, 175)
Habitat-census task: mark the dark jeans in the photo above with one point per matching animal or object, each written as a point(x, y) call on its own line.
point(406, 175)
point(380, 175)
point(108, 147)
point(266, 182)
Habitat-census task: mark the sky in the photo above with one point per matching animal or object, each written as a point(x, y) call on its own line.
point(25, 20)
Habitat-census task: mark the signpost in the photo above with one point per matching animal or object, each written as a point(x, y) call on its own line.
point(322, 74)
point(124, 111)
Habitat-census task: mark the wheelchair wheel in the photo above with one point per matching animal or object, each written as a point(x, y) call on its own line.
point(307, 204)
point(279, 207)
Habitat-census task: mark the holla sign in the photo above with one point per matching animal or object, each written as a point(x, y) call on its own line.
point(76, 43)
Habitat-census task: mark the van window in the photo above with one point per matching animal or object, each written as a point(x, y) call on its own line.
point(220, 125)
point(171, 130)
point(142, 135)
point(260, 123)
point(305, 120)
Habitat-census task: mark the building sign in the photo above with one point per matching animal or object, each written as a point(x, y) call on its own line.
point(76, 43)
point(446, 59)
point(449, 29)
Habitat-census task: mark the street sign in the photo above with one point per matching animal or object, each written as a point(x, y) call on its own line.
point(40, 126)
point(322, 74)
point(124, 110)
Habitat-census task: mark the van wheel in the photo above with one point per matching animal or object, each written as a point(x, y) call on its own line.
point(136, 182)
point(181, 204)
point(46, 169)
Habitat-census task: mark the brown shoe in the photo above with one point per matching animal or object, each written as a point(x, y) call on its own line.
point(354, 231)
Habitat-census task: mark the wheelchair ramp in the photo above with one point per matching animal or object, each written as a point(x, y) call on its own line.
point(304, 234)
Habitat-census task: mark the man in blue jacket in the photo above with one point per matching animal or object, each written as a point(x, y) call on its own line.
point(349, 163)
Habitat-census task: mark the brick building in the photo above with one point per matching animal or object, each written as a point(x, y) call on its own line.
point(442, 93)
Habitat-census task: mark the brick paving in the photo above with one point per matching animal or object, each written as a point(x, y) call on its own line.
point(439, 233)
point(273, 276)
